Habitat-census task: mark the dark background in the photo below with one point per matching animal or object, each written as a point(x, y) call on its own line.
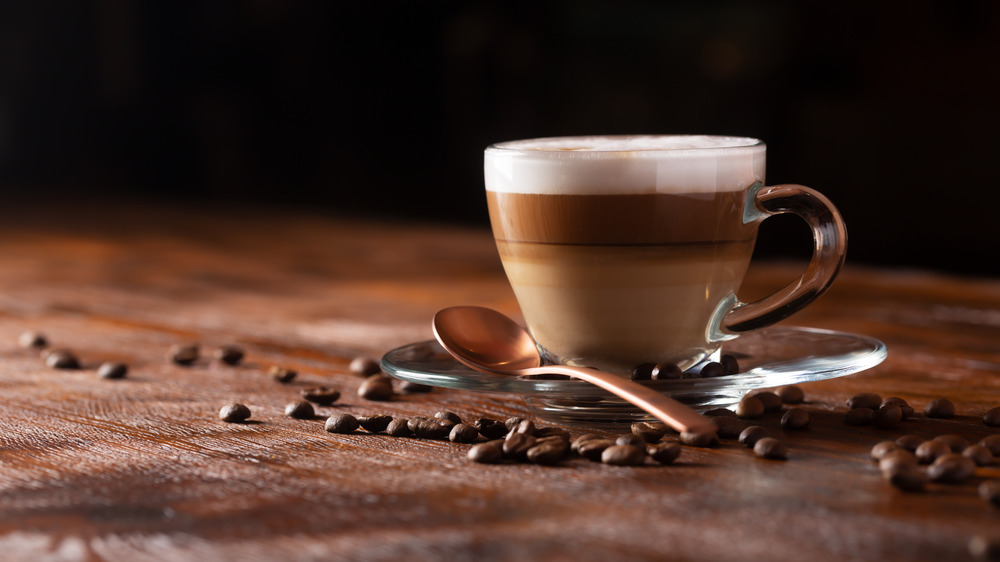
point(375, 108)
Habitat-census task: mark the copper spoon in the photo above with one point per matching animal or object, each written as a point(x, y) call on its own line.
point(487, 341)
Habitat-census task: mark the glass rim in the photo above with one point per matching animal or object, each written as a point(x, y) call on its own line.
point(516, 146)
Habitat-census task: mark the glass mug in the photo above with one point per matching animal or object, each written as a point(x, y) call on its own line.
point(623, 250)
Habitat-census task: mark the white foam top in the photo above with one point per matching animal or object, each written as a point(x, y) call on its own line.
point(625, 164)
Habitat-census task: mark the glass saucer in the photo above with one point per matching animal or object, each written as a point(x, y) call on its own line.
point(770, 357)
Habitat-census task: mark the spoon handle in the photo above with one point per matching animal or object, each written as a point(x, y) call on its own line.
point(666, 409)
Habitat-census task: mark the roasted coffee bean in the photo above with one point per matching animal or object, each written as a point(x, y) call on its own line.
point(593, 448)
point(795, 418)
point(909, 442)
point(771, 401)
point(61, 359)
point(700, 439)
point(512, 423)
point(718, 412)
point(526, 427)
point(450, 416)
point(939, 408)
point(664, 453)
point(712, 369)
point(992, 417)
point(643, 371)
point(667, 371)
point(398, 427)
point(956, 443)
point(989, 490)
point(548, 451)
point(282, 374)
point(859, 416)
point(488, 452)
point(112, 370)
point(897, 459)
point(490, 429)
point(791, 394)
point(322, 395)
point(543, 432)
point(904, 407)
point(985, 547)
point(992, 442)
point(229, 354)
point(752, 434)
point(648, 432)
point(410, 387)
point(883, 448)
point(374, 424)
point(300, 410)
point(979, 455)
point(630, 439)
point(728, 427)
point(184, 354)
point(427, 428)
point(907, 478)
point(750, 408)
point(730, 365)
point(377, 388)
point(234, 413)
point(951, 468)
point(575, 444)
point(887, 416)
point(929, 451)
point(32, 340)
point(865, 400)
point(516, 445)
point(462, 433)
point(623, 455)
point(364, 366)
point(341, 423)
point(770, 448)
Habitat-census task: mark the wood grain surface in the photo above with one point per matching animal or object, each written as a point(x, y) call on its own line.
point(142, 468)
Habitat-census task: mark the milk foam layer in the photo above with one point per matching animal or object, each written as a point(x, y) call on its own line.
point(625, 164)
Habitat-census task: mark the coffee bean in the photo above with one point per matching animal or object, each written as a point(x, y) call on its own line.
point(985, 547)
point(750, 407)
point(791, 394)
point(282, 374)
point(300, 410)
point(364, 366)
point(398, 427)
point(341, 423)
point(61, 359)
point(730, 365)
point(666, 371)
point(322, 395)
point(643, 371)
point(904, 407)
point(516, 445)
point(410, 387)
point(376, 388)
point(956, 443)
point(664, 453)
point(629, 439)
point(865, 400)
point(487, 453)
point(900, 458)
point(859, 416)
point(992, 442)
point(887, 416)
point(234, 413)
point(375, 424)
point(770, 448)
point(32, 340)
point(450, 416)
point(593, 448)
point(548, 451)
point(575, 445)
point(184, 354)
point(909, 442)
point(712, 369)
point(951, 468)
point(544, 432)
point(979, 455)
point(512, 423)
point(623, 455)
point(795, 418)
point(883, 448)
point(752, 434)
point(700, 439)
point(526, 427)
point(907, 478)
point(929, 451)
point(728, 427)
point(939, 408)
point(770, 400)
point(462, 433)
point(989, 490)
point(992, 417)
point(648, 432)
point(719, 412)
point(427, 428)
point(112, 370)
point(229, 354)
point(490, 429)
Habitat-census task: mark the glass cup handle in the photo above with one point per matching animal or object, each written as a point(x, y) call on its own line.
point(829, 251)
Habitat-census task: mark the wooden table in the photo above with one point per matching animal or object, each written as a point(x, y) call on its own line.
point(142, 468)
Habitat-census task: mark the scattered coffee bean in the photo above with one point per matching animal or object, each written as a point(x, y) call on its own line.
point(992, 417)
point(487, 453)
point(630, 439)
point(548, 451)
point(490, 429)
point(700, 439)
point(428, 428)
point(907, 478)
point(399, 427)
point(752, 434)
point(643, 371)
point(909, 442)
point(374, 424)
point(770, 448)
point(985, 547)
point(410, 387)
point(282, 374)
point(300, 410)
point(322, 395)
point(648, 432)
point(664, 453)
point(462, 433)
point(771, 401)
point(512, 423)
point(377, 388)
point(728, 427)
point(750, 408)
point(543, 432)
point(667, 371)
point(868, 400)
point(883, 448)
point(364, 366)
point(112, 370)
point(450, 416)
point(992, 442)
point(61, 359)
point(951, 468)
point(939, 408)
point(859, 416)
point(342, 423)
point(184, 354)
point(989, 490)
point(526, 426)
point(978, 454)
point(623, 455)
point(893, 461)
point(904, 407)
point(593, 448)
point(791, 394)
point(718, 412)
point(234, 413)
point(516, 445)
point(32, 340)
point(930, 451)
point(887, 416)
point(575, 445)
point(229, 354)
point(730, 365)
point(956, 443)
point(795, 418)
point(712, 369)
